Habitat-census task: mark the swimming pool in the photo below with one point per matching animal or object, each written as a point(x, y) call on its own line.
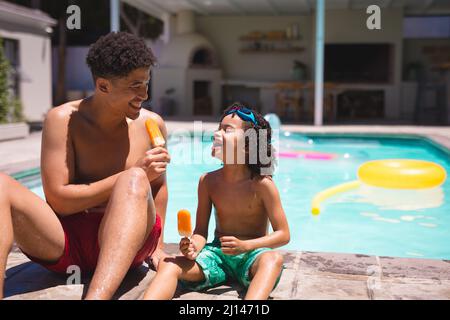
point(365, 221)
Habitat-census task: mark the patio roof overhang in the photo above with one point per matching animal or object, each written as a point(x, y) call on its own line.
point(15, 14)
point(281, 7)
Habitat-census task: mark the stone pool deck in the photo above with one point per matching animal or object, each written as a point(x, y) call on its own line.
point(308, 275)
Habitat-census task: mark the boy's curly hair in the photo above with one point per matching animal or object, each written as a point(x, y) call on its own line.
point(257, 169)
point(117, 54)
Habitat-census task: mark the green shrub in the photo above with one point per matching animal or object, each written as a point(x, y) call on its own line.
point(17, 110)
point(4, 90)
point(10, 107)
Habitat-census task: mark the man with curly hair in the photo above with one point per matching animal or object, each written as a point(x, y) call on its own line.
point(105, 186)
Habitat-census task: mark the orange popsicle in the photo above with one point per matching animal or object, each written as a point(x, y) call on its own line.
point(156, 137)
point(184, 223)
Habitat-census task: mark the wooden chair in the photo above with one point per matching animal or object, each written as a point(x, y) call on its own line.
point(329, 101)
point(289, 96)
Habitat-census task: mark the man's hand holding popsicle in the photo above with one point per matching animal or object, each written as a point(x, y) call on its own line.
point(155, 160)
point(187, 247)
point(156, 137)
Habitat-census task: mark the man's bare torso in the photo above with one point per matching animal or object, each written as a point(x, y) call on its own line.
point(94, 155)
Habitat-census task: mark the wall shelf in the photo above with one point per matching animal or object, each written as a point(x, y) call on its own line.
point(269, 39)
point(267, 44)
point(290, 50)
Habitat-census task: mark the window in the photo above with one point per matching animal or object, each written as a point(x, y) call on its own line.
point(436, 27)
point(11, 49)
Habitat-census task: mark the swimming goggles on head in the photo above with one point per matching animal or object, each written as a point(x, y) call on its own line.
point(243, 113)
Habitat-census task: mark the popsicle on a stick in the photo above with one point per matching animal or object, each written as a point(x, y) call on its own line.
point(156, 137)
point(184, 223)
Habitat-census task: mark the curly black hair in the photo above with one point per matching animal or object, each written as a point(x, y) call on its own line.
point(259, 168)
point(116, 54)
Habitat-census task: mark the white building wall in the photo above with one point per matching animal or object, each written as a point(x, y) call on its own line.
point(35, 65)
point(224, 33)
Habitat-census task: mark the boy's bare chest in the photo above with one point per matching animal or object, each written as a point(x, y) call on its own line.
point(235, 200)
point(239, 211)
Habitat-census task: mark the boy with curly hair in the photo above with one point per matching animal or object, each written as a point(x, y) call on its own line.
point(245, 199)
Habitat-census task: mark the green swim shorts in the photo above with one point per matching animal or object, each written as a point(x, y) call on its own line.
point(219, 267)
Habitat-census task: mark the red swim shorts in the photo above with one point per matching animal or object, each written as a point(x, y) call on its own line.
point(81, 242)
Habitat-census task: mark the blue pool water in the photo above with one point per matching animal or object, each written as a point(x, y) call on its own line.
point(365, 221)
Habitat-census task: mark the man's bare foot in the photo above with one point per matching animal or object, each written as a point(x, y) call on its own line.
point(153, 260)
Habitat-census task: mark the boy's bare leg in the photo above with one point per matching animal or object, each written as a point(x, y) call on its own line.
point(170, 270)
point(265, 271)
point(123, 231)
point(29, 220)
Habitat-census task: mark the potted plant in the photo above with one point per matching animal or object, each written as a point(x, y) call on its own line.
point(299, 71)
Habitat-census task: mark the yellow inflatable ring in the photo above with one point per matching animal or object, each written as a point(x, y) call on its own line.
point(391, 174)
point(402, 174)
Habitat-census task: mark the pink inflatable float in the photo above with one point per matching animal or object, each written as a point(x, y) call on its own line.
point(311, 155)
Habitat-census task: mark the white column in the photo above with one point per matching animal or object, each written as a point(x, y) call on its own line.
point(448, 96)
point(185, 22)
point(169, 27)
point(115, 15)
point(318, 93)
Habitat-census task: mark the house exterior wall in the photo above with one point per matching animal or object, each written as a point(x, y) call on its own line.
point(35, 65)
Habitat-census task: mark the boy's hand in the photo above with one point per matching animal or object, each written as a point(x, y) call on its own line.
point(233, 246)
point(154, 162)
point(188, 249)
